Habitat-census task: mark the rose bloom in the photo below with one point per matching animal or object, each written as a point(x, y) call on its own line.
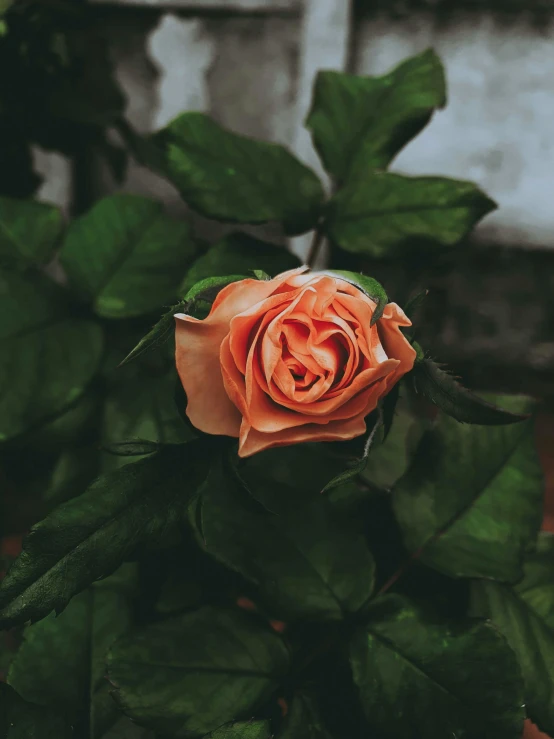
point(288, 360)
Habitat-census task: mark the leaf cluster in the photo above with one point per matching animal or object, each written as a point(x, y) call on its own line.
point(392, 586)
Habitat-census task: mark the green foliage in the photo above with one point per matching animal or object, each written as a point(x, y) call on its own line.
point(305, 563)
point(90, 536)
point(381, 214)
point(361, 123)
point(29, 231)
point(190, 674)
point(76, 643)
point(162, 559)
point(238, 253)
point(406, 657)
point(232, 178)
point(524, 614)
point(22, 720)
point(126, 256)
point(476, 517)
point(47, 357)
point(442, 389)
point(303, 720)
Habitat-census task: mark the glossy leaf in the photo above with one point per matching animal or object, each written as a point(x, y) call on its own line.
point(524, 614)
point(140, 407)
point(421, 677)
point(61, 662)
point(382, 215)
point(363, 122)
point(22, 720)
point(127, 256)
point(88, 537)
point(471, 503)
point(305, 562)
point(442, 389)
point(189, 675)
point(47, 357)
point(369, 286)
point(29, 232)
point(233, 178)
point(239, 253)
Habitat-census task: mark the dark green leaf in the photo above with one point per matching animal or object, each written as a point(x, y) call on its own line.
point(21, 720)
point(47, 357)
point(305, 562)
point(206, 289)
point(421, 677)
point(303, 720)
point(525, 615)
point(127, 256)
point(363, 122)
point(442, 389)
point(358, 464)
point(188, 675)
point(61, 662)
point(74, 471)
point(391, 457)
point(242, 730)
point(369, 286)
point(383, 214)
point(29, 231)
point(233, 178)
point(414, 303)
point(88, 537)
point(137, 448)
point(389, 404)
point(238, 253)
point(140, 407)
point(471, 504)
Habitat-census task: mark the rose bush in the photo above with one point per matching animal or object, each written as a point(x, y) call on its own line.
point(290, 359)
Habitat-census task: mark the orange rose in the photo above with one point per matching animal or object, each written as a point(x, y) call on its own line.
point(289, 360)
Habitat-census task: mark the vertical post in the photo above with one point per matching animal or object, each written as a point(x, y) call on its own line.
point(326, 30)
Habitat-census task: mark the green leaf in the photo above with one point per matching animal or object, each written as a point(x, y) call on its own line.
point(206, 289)
point(127, 256)
point(29, 231)
point(363, 122)
point(471, 504)
point(242, 730)
point(22, 720)
point(383, 215)
point(88, 537)
point(305, 562)
point(414, 303)
point(391, 458)
point(238, 253)
point(303, 720)
point(369, 286)
point(421, 677)
point(233, 178)
point(141, 407)
point(47, 357)
point(190, 674)
point(61, 662)
point(525, 616)
point(442, 389)
point(73, 472)
point(358, 464)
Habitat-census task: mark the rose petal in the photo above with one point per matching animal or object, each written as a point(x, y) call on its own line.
point(197, 354)
point(252, 441)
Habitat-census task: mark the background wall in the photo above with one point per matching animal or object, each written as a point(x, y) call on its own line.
point(251, 63)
